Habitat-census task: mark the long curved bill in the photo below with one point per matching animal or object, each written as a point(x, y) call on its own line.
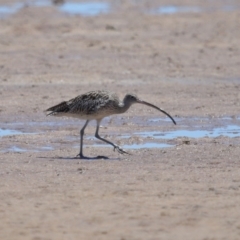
point(159, 109)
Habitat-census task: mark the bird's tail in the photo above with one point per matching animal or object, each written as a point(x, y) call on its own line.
point(59, 108)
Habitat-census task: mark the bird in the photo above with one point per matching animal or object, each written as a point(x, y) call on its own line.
point(96, 105)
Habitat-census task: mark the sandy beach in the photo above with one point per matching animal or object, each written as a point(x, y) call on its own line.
point(179, 182)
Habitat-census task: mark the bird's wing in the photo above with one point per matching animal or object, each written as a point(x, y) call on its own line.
point(89, 103)
point(61, 107)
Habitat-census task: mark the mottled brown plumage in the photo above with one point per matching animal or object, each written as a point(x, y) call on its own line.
point(97, 105)
point(89, 106)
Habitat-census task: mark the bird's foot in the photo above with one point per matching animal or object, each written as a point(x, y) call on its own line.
point(80, 155)
point(120, 150)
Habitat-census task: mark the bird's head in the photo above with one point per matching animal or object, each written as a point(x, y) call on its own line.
point(129, 99)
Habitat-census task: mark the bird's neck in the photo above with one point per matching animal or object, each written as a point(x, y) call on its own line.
point(123, 107)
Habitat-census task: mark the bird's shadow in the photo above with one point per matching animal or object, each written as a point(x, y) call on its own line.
point(83, 158)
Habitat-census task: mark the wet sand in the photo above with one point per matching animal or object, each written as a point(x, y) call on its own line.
point(186, 63)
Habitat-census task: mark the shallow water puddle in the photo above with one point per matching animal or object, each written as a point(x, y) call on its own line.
point(135, 146)
point(48, 148)
point(228, 131)
point(15, 149)
point(95, 8)
point(147, 145)
point(192, 127)
point(170, 9)
point(8, 10)
point(85, 8)
point(174, 9)
point(20, 149)
point(8, 132)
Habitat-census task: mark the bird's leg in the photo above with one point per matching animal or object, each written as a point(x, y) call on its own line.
point(81, 139)
point(120, 150)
